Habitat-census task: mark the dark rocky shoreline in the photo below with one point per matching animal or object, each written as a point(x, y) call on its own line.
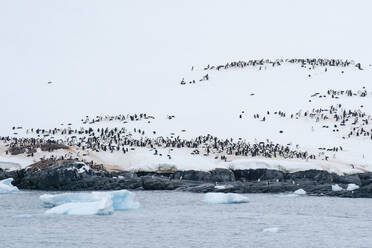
point(69, 175)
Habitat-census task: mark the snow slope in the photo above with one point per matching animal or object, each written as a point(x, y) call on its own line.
point(125, 58)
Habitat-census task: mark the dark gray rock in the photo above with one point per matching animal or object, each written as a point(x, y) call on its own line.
point(317, 176)
point(222, 175)
point(159, 183)
point(71, 175)
point(365, 178)
point(203, 188)
point(347, 179)
point(258, 174)
point(193, 175)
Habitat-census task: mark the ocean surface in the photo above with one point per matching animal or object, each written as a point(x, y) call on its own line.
point(179, 219)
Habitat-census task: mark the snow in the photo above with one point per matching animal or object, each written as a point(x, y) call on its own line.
point(220, 187)
point(351, 187)
point(7, 187)
point(138, 58)
point(99, 203)
point(336, 187)
point(83, 169)
point(300, 192)
point(224, 198)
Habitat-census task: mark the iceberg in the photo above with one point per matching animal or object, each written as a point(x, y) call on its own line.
point(101, 207)
point(224, 198)
point(351, 187)
point(336, 187)
point(7, 187)
point(300, 192)
point(271, 230)
point(99, 203)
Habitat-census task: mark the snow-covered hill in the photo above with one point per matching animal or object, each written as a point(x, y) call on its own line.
point(131, 58)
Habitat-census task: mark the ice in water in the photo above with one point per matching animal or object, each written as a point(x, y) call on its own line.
point(224, 198)
point(99, 203)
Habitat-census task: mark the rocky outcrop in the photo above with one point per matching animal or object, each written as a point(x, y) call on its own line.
point(74, 175)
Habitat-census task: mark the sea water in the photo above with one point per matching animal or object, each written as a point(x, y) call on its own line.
point(179, 219)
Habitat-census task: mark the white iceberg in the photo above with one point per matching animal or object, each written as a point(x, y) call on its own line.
point(351, 187)
point(271, 230)
point(224, 198)
point(100, 207)
point(7, 187)
point(336, 187)
point(99, 203)
point(300, 192)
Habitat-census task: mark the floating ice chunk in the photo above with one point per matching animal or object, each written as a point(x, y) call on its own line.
point(271, 230)
point(100, 203)
point(300, 192)
point(224, 198)
point(23, 216)
point(100, 207)
point(336, 187)
point(352, 186)
point(49, 201)
point(7, 187)
point(121, 199)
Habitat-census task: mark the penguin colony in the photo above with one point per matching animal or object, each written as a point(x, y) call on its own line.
point(349, 122)
point(264, 64)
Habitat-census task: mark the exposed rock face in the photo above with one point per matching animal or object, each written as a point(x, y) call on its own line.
point(73, 175)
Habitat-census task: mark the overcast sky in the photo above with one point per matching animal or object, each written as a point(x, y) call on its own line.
point(122, 56)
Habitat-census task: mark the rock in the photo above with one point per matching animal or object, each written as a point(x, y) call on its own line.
point(348, 179)
point(258, 174)
point(193, 175)
point(365, 178)
point(74, 175)
point(317, 176)
point(249, 175)
point(222, 175)
point(204, 188)
point(159, 183)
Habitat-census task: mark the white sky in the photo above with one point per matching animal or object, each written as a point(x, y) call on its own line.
point(127, 56)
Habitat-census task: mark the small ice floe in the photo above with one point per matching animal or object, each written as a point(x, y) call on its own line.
point(94, 203)
point(287, 195)
point(336, 187)
point(300, 192)
point(271, 230)
point(100, 207)
point(224, 198)
point(7, 187)
point(23, 216)
point(220, 187)
point(351, 187)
